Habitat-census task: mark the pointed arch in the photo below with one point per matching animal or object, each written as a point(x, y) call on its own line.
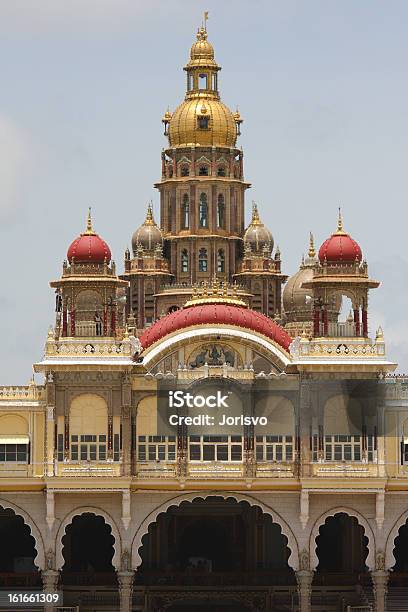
point(293, 560)
point(67, 520)
point(362, 521)
point(39, 559)
point(392, 536)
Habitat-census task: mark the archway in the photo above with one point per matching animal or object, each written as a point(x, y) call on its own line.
point(400, 551)
point(17, 551)
point(342, 552)
point(88, 551)
point(213, 542)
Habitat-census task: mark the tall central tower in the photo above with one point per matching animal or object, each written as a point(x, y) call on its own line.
point(202, 209)
point(202, 185)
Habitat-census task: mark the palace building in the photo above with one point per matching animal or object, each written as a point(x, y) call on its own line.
point(103, 500)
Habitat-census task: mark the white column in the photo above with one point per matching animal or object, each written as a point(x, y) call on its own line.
point(304, 580)
point(380, 580)
point(125, 580)
point(50, 579)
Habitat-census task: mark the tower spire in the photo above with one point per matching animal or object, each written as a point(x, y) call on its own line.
point(312, 250)
point(149, 215)
point(340, 228)
point(89, 229)
point(255, 214)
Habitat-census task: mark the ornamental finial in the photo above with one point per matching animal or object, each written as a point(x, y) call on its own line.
point(340, 229)
point(312, 250)
point(255, 214)
point(89, 229)
point(149, 215)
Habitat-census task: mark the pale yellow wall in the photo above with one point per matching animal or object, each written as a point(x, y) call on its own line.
point(13, 424)
point(280, 414)
point(37, 447)
point(342, 415)
point(88, 415)
point(146, 419)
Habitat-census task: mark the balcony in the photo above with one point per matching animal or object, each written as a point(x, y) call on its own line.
point(98, 349)
point(74, 469)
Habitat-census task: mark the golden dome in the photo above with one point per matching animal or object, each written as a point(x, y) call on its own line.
point(184, 126)
point(202, 119)
point(202, 52)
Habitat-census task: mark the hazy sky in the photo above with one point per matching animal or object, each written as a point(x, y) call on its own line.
point(322, 87)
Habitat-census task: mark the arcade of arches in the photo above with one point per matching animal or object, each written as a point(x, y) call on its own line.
point(204, 554)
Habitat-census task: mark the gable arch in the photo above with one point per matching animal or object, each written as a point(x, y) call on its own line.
point(67, 520)
point(263, 345)
point(320, 521)
point(292, 544)
point(39, 559)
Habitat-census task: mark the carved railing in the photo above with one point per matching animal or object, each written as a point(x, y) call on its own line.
point(100, 347)
point(30, 392)
point(337, 348)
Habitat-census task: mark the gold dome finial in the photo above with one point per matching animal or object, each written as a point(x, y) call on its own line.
point(340, 229)
point(89, 229)
point(149, 215)
point(312, 250)
point(255, 214)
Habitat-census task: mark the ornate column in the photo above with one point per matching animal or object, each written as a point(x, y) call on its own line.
point(125, 581)
point(380, 580)
point(126, 424)
point(304, 578)
point(50, 579)
point(357, 320)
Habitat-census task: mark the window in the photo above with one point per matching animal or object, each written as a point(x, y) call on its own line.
point(60, 447)
point(274, 448)
point(221, 171)
point(184, 260)
point(203, 171)
point(203, 211)
point(116, 447)
point(221, 211)
point(203, 123)
point(221, 261)
point(88, 447)
point(190, 82)
point(202, 260)
point(156, 448)
point(185, 171)
point(202, 81)
point(185, 212)
point(215, 448)
point(345, 448)
point(16, 453)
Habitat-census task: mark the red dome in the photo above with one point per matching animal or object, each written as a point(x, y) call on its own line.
point(89, 248)
point(340, 247)
point(219, 314)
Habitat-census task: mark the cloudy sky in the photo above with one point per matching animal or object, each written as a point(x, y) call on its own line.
point(322, 86)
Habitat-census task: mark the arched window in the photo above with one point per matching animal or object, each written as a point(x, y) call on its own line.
point(221, 211)
point(221, 261)
point(185, 213)
point(184, 260)
point(203, 260)
point(185, 171)
point(203, 171)
point(203, 211)
point(221, 171)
